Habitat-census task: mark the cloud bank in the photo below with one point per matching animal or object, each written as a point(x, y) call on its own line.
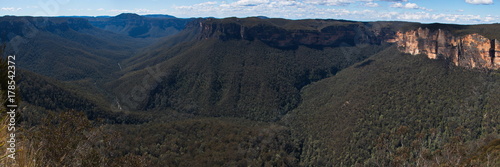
point(10, 9)
point(320, 9)
point(480, 2)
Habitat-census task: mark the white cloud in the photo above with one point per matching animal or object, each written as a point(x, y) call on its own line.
point(284, 3)
point(306, 9)
point(397, 5)
point(10, 9)
point(408, 6)
point(200, 5)
point(411, 6)
point(250, 2)
point(490, 18)
point(443, 18)
point(480, 2)
point(208, 3)
point(101, 9)
point(371, 4)
point(138, 11)
point(334, 2)
point(142, 11)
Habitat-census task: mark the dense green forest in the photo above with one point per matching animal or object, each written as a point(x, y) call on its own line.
point(243, 92)
point(398, 110)
point(237, 78)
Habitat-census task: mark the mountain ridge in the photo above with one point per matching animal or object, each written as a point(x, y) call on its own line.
point(146, 26)
point(216, 88)
point(277, 92)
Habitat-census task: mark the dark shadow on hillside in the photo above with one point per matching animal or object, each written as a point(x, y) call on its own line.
point(368, 62)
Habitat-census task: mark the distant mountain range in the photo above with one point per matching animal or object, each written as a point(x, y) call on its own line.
point(264, 91)
point(148, 16)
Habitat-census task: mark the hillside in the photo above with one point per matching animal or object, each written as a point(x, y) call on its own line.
point(222, 74)
point(66, 48)
point(393, 108)
point(157, 90)
point(148, 26)
point(42, 95)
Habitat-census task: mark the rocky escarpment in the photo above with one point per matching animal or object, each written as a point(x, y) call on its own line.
point(140, 26)
point(322, 33)
point(471, 51)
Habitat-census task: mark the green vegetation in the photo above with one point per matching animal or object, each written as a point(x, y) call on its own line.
point(67, 49)
point(236, 78)
point(225, 100)
point(4, 135)
point(210, 142)
point(70, 139)
point(488, 30)
point(397, 110)
point(140, 26)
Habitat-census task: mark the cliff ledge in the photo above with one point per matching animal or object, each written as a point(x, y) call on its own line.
point(471, 51)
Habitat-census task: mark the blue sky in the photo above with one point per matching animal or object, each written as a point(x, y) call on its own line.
point(427, 11)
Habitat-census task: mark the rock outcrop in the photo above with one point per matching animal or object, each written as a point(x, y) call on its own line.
point(471, 51)
point(327, 33)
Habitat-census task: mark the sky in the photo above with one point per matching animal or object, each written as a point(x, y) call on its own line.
point(426, 11)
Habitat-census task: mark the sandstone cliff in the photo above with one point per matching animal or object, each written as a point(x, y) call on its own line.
point(471, 51)
point(279, 33)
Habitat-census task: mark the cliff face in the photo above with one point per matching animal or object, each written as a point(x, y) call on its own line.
point(329, 34)
point(472, 50)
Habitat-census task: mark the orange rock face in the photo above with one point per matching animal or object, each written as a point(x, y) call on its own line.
point(472, 50)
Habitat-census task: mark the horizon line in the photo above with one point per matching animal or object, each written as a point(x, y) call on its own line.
point(266, 17)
